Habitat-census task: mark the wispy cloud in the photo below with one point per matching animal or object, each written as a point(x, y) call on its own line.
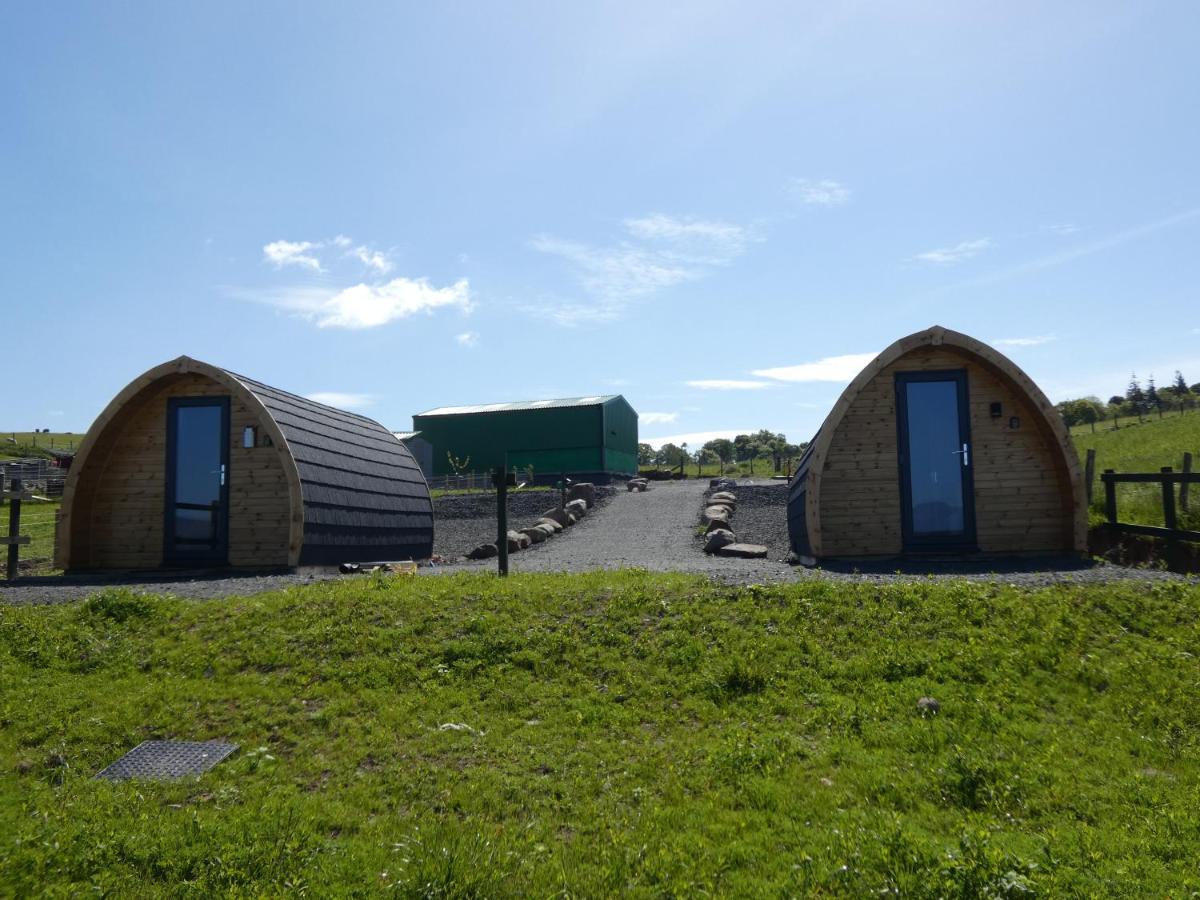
point(831, 368)
point(364, 305)
point(1025, 341)
point(372, 259)
point(728, 384)
point(1061, 228)
point(657, 418)
point(292, 253)
point(715, 242)
point(819, 192)
point(658, 252)
point(467, 339)
point(1082, 250)
point(949, 255)
point(342, 400)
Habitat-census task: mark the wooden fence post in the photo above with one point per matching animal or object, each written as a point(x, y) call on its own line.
point(1168, 494)
point(1183, 485)
point(14, 527)
point(1089, 474)
point(1110, 498)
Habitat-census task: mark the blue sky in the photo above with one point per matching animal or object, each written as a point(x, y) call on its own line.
point(719, 212)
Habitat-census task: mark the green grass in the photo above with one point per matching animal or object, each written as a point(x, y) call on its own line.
point(623, 734)
point(1144, 447)
point(29, 443)
point(37, 521)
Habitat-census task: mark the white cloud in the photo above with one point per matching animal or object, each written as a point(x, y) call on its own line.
point(1062, 228)
point(572, 315)
point(658, 253)
point(373, 259)
point(695, 439)
point(657, 418)
point(716, 241)
point(341, 241)
point(820, 192)
point(364, 305)
point(292, 253)
point(342, 400)
point(467, 339)
point(960, 251)
point(1024, 341)
point(831, 368)
point(728, 384)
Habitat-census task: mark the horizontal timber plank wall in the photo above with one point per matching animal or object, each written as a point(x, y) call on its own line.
point(118, 518)
point(1023, 498)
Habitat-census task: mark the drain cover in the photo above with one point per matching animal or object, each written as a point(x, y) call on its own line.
point(164, 760)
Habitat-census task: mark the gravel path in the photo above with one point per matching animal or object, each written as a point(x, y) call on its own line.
point(464, 521)
point(655, 530)
point(192, 586)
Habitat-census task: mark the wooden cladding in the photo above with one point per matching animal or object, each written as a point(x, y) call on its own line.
point(1028, 493)
point(116, 519)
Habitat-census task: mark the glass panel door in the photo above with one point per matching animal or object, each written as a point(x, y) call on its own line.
point(197, 514)
point(937, 492)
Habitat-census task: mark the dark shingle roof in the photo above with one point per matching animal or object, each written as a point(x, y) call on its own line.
point(364, 495)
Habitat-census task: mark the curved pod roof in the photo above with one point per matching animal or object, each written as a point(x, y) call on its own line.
point(806, 512)
point(353, 491)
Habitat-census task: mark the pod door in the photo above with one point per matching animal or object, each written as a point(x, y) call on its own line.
point(196, 530)
point(937, 494)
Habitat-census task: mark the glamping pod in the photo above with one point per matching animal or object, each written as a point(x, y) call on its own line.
point(940, 446)
point(191, 465)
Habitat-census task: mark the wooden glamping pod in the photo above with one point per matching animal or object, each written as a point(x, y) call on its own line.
point(192, 465)
point(940, 446)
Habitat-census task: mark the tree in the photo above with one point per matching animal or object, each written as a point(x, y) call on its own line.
point(669, 455)
point(1135, 397)
point(1181, 386)
point(721, 448)
point(1153, 401)
point(645, 455)
point(1083, 411)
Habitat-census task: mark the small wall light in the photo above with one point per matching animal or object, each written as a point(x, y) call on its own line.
point(1014, 423)
point(996, 410)
point(249, 437)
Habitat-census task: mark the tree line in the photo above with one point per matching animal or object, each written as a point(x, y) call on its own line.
point(770, 447)
point(1137, 402)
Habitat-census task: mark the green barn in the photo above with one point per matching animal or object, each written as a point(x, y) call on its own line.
point(591, 437)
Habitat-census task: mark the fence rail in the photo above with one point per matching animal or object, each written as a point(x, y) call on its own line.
point(1168, 478)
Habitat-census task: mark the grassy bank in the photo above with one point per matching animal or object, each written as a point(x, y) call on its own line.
point(1143, 447)
point(610, 733)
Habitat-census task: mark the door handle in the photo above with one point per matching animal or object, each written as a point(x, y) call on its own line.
point(223, 473)
point(966, 454)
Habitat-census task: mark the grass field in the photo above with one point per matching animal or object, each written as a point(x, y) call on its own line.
point(29, 443)
point(610, 734)
point(37, 521)
point(1144, 447)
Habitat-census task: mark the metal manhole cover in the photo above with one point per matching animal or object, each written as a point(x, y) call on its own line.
point(164, 760)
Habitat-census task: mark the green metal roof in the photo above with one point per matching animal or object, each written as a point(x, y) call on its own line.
point(596, 400)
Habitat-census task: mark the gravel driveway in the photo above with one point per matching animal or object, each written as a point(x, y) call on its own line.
point(655, 530)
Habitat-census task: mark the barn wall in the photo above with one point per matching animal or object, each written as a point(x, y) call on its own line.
point(117, 517)
point(551, 440)
point(1022, 489)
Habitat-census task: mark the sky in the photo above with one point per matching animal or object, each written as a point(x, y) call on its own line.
point(719, 210)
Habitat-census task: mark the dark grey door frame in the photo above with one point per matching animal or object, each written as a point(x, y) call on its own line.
point(190, 551)
point(966, 540)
